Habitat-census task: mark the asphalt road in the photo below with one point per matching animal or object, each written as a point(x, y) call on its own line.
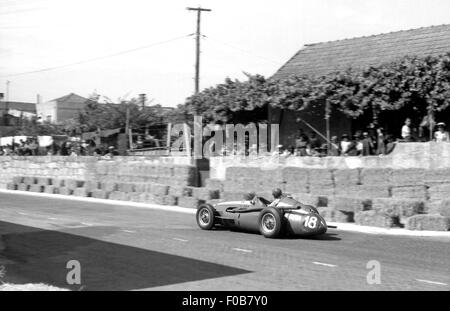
point(129, 248)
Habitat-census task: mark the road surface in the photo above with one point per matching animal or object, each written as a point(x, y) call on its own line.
point(129, 248)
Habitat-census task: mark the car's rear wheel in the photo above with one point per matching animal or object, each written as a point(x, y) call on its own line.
point(205, 216)
point(270, 222)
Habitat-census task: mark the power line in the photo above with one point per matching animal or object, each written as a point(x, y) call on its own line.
point(96, 58)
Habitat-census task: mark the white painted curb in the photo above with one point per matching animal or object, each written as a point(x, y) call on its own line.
point(177, 209)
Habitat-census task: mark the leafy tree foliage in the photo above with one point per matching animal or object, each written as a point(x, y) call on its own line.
point(421, 84)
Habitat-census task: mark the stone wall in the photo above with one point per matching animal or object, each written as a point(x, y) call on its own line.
point(405, 155)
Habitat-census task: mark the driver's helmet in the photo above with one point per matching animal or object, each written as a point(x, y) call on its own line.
point(249, 196)
point(277, 193)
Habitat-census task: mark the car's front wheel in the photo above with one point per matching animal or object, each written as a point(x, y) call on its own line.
point(205, 216)
point(270, 222)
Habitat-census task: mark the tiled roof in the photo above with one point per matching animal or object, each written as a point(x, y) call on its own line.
point(322, 58)
point(26, 107)
point(72, 98)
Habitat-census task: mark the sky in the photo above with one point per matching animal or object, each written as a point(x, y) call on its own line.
point(121, 48)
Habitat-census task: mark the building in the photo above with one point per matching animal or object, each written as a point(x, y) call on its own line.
point(61, 109)
point(12, 112)
point(358, 53)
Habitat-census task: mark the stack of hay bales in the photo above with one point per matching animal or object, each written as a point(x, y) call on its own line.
point(321, 182)
point(409, 184)
point(344, 208)
point(296, 180)
point(390, 212)
point(438, 183)
point(375, 182)
point(239, 181)
point(347, 182)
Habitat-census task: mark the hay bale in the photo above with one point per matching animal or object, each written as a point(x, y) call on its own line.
point(73, 183)
point(437, 176)
point(398, 207)
point(11, 186)
point(205, 193)
point(58, 182)
point(100, 194)
point(189, 202)
point(327, 213)
point(81, 192)
point(346, 177)
point(51, 189)
point(28, 180)
point(242, 185)
point(375, 176)
point(408, 177)
point(233, 196)
point(428, 223)
point(432, 207)
point(17, 180)
point(307, 198)
point(108, 186)
point(320, 177)
point(373, 219)
point(295, 174)
point(158, 189)
point(296, 187)
point(365, 191)
point(23, 187)
point(126, 187)
point(215, 184)
point(444, 208)
point(410, 192)
point(321, 190)
point(65, 191)
point(43, 181)
point(91, 185)
point(349, 204)
point(36, 188)
point(119, 195)
point(438, 191)
point(169, 200)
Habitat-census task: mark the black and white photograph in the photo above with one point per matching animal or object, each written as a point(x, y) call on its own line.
point(220, 153)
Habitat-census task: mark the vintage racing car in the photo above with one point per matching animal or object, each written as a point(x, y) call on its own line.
point(289, 217)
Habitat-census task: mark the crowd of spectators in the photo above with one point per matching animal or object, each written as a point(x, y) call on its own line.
point(373, 141)
point(31, 147)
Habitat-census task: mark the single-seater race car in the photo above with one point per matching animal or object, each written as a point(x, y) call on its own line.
point(289, 217)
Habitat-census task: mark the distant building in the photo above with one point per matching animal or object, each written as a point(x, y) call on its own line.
point(11, 111)
point(357, 53)
point(61, 109)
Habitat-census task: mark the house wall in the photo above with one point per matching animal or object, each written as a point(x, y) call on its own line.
point(68, 110)
point(46, 110)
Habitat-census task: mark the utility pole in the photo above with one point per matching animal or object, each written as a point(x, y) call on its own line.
point(5, 114)
point(197, 54)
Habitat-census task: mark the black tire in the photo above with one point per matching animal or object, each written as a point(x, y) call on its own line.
point(270, 222)
point(205, 216)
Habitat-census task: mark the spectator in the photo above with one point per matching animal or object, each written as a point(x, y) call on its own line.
point(358, 145)
point(301, 143)
point(390, 144)
point(381, 144)
point(334, 147)
point(314, 141)
point(367, 145)
point(406, 130)
point(345, 144)
point(441, 135)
